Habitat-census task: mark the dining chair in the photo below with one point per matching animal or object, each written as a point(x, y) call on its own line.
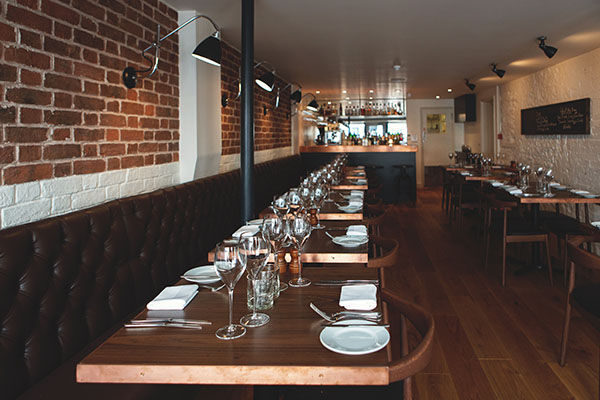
point(462, 198)
point(384, 252)
point(516, 229)
point(585, 296)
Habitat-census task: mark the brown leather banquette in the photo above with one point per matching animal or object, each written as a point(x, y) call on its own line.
point(69, 281)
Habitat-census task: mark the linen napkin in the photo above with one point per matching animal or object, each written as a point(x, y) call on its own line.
point(354, 202)
point(516, 191)
point(173, 298)
point(357, 193)
point(464, 173)
point(356, 230)
point(246, 230)
point(361, 181)
point(359, 297)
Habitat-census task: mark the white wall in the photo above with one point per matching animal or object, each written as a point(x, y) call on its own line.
point(575, 160)
point(474, 131)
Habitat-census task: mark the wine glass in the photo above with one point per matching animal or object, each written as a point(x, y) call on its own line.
point(273, 230)
point(319, 195)
point(230, 269)
point(294, 200)
point(299, 230)
point(254, 253)
point(280, 206)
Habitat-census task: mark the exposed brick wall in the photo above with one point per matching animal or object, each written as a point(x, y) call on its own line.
point(63, 108)
point(271, 131)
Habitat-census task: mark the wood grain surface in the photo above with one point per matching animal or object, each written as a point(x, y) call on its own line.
point(359, 149)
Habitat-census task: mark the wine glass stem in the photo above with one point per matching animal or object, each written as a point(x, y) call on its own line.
point(299, 264)
point(230, 291)
point(255, 291)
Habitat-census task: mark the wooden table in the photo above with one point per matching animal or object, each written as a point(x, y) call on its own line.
point(286, 351)
point(329, 211)
point(347, 185)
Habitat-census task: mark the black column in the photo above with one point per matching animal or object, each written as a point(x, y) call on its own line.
point(247, 103)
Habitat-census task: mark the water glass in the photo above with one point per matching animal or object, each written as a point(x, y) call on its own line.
point(263, 288)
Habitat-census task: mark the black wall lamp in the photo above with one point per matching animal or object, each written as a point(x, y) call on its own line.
point(497, 71)
point(313, 105)
point(209, 51)
point(549, 51)
point(469, 84)
point(296, 95)
point(266, 80)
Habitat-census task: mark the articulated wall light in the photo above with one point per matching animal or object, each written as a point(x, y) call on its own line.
point(313, 105)
point(499, 72)
point(296, 96)
point(209, 51)
point(549, 51)
point(266, 80)
point(469, 84)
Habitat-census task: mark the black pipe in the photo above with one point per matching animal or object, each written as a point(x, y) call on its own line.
point(247, 103)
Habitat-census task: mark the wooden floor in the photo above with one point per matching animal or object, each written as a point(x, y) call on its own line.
point(491, 342)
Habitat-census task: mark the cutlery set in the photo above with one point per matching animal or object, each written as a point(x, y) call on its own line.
point(333, 319)
point(344, 282)
point(167, 322)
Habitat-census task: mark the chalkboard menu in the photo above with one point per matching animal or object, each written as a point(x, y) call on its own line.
point(568, 118)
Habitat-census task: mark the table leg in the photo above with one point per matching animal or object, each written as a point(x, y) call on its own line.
point(536, 263)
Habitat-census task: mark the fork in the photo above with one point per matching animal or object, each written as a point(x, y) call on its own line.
point(346, 315)
point(212, 288)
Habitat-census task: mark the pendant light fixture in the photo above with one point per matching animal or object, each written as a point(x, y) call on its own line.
point(548, 50)
point(267, 79)
point(497, 71)
point(209, 51)
point(313, 105)
point(469, 84)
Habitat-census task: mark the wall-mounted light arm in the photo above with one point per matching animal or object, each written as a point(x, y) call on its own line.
point(296, 95)
point(208, 50)
point(313, 105)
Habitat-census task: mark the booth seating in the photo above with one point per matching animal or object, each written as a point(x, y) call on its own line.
point(68, 282)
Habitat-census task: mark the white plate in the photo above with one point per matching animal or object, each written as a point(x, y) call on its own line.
point(350, 210)
point(208, 270)
point(580, 192)
point(496, 184)
point(350, 241)
point(355, 341)
point(255, 222)
point(589, 195)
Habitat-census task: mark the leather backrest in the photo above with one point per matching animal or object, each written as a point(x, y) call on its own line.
point(66, 280)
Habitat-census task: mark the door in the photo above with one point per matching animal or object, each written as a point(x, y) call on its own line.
point(437, 135)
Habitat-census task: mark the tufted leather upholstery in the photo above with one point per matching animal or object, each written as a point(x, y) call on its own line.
point(67, 280)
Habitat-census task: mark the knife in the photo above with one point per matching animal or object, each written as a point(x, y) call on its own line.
point(163, 324)
point(346, 282)
point(170, 320)
point(354, 325)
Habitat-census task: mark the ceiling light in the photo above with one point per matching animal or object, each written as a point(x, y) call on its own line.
point(347, 98)
point(370, 98)
point(397, 65)
point(209, 51)
point(266, 81)
point(548, 50)
point(329, 103)
point(349, 102)
point(370, 91)
point(499, 72)
point(344, 91)
point(318, 92)
point(437, 97)
point(469, 84)
point(449, 90)
point(297, 95)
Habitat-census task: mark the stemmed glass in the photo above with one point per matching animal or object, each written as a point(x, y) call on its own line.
point(280, 206)
point(253, 254)
point(299, 230)
point(294, 200)
point(319, 195)
point(230, 269)
point(273, 230)
point(450, 156)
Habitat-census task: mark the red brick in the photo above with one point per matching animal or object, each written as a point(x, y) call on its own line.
point(59, 134)
point(149, 110)
point(89, 103)
point(113, 91)
point(62, 82)
point(61, 12)
point(63, 169)
point(132, 108)
point(90, 119)
point(8, 73)
point(92, 89)
point(61, 151)
point(90, 150)
point(90, 56)
point(112, 106)
point(112, 149)
point(112, 120)
point(132, 161)
point(63, 117)
point(115, 78)
point(133, 122)
point(111, 32)
point(132, 135)
point(31, 78)
point(112, 135)
point(88, 166)
point(63, 65)
point(88, 24)
point(33, 4)
point(7, 33)
point(149, 159)
point(7, 154)
point(7, 115)
point(163, 135)
point(149, 123)
point(163, 158)
point(132, 148)
point(25, 17)
point(27, 173)
point(30, 153)
point(63, 31)
point(89, 8)
point(111, 47)
point(62, 48)
point(63, 100)
point(88, 135)
point(148, 97)
point(114, 163)
point(86, 39)
point(132, 95)
point(88, 71)
point(20, 134)
point(148, 147)
point(30, 115)
point(27, 57)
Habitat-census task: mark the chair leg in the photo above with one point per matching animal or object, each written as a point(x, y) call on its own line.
point(504, 262)
point(567, 323)
point(487, 232)
point(548, 260)
point(565, 261)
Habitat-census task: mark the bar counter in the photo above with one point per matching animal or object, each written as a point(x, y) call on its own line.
point(393, 166)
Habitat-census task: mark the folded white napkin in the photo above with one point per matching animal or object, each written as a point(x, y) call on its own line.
point(357, 193)
point(247, 230)
point(173, 298)
point(361, 181)
point(516, 191)
point(464, 173)
point(354, 202)
point(356, 230)
point(359, 297)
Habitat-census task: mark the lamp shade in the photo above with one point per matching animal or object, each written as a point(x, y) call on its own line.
point(296, 96)
point(266, 81)
point(313, 106)
point(209, 51)
point(498, 71)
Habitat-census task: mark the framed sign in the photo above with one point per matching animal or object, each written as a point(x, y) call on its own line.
point(436, 123)
point(568, 118)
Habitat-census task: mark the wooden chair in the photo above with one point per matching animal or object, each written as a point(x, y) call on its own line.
point(462, 198)
point(585, 296)
point(514, 230)
point(384, 252)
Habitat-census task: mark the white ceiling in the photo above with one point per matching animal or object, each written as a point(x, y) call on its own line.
point(335, 45)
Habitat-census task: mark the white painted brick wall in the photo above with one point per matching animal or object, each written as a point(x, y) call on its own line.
point(32, 201)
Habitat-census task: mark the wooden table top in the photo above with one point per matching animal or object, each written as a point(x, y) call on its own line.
point(349, 186)
point(329, 211)
point(397, 148)
point(286, 351)
point(560, 197)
